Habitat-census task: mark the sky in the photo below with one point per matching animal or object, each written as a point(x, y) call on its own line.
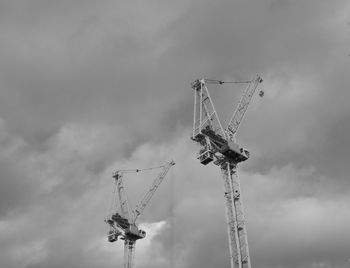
point(89, 87)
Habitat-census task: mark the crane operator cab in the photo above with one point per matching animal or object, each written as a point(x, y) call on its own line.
point(113, 234)
point(205, 155)
point(134, 233)
point(234, 152)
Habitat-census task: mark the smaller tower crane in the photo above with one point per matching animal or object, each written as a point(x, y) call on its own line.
point(123, 224)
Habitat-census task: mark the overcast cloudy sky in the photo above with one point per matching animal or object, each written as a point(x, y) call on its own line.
point(88, 87)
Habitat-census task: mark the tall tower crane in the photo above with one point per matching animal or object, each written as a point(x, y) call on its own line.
point(123, 224)
point(218, 145)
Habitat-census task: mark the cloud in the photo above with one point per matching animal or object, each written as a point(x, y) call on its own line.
point(88, 88)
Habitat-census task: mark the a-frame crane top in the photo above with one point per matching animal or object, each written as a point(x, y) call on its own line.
point(218, 145)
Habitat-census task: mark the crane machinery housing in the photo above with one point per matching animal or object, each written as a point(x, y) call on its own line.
point(123, 224)
point(218, 145)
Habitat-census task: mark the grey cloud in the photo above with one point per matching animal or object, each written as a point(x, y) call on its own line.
point(87, 88)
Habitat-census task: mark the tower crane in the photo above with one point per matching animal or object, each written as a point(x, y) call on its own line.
point(218, 145)
point(123, 224)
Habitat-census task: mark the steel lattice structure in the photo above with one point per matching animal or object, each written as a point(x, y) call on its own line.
point(123, 224)
point(218, 145)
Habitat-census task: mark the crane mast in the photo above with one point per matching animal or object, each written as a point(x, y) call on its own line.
point(124, 225)
point(218, 145)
